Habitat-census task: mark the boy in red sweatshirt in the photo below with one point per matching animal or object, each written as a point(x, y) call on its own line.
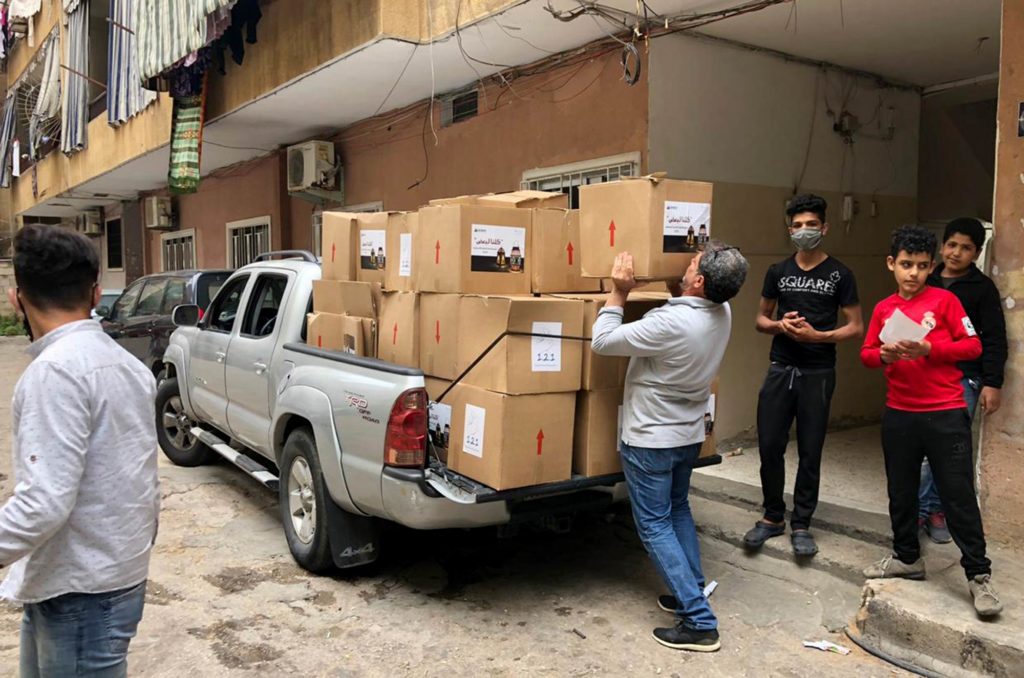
point(926, 415)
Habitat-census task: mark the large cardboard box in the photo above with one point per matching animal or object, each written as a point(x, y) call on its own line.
point(473, 249)
point(339, 244)
point(346, 333)
point(438, 335)
point(556, 253)
point(398, 338)
point(521, 199)
point(661, 222)
point(507, 441)
point(398, 275)
point(598, 431)
point(521, 364)
point(346, 297)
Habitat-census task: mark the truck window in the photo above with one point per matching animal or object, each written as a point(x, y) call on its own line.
point(124, 306)
point(207, 286)
point(175, 295)
point(264, 303)
point(152, 298)
point(225, 306)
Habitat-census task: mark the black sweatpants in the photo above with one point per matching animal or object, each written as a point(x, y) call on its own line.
point(805, 395)
point(944, 438)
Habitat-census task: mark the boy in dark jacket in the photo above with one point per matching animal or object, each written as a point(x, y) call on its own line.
point(919, 335)
point(983, 377)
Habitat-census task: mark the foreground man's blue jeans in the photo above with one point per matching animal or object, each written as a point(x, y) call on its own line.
point(81, 634)
point(659, 486)
point(928, 494)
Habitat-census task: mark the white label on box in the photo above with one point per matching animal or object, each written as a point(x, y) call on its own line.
point(498, 249)
point(405, 255)
point(709, 416)
point(473, 436)
point(686, 218)
point(372, 250)
point(547, 351)
point(440, 421)
point(618, 432)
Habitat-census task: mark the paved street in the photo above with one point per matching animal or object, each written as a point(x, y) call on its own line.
point(225, 598)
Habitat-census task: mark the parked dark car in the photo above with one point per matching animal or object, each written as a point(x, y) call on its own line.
point(140, 319)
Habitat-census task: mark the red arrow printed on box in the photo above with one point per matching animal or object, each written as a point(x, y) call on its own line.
point(569, 249)
point(540, 442)
point(394, 335)
point(611, 234)
point(437, 331)
point(334, 248)
point(437, 252)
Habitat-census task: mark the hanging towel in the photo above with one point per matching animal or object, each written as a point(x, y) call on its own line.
point(7, 130)
point(75, 94)
point(187, 142)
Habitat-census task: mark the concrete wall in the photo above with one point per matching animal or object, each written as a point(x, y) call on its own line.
point(758, 126)
point(1002, 451)
point(6, 281)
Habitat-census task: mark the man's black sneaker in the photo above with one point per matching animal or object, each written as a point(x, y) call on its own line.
point(679, 637)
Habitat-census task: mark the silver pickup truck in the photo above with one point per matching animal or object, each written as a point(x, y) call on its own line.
point(342, 439)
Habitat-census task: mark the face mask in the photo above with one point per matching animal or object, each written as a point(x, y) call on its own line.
point(24, 321)
point(806, 238)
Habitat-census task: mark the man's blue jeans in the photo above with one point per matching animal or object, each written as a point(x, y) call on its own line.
point(81, 634)
point(928, 494)
point(659, 486)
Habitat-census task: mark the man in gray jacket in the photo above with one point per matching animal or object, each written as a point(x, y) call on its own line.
point(675, 353)
point(80, 526)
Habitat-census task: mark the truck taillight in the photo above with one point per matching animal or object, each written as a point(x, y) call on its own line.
point(406, 441)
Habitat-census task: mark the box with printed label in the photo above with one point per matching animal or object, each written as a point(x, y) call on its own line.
point(601, 372)
point(556, 253)
point(373, 254)
point(598, 431)
point(339, 245)
point(520, 199)
point(346, 333)
point(399, 245)
point(507, 441)
point(473, 249)
point(521, 364)
point(661, 222)
point(439, 417)
point(346, 297)
point(438, 335)
point(398, 329)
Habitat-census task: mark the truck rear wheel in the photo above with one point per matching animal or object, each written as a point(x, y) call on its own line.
point(174, 429)
point(303, 500)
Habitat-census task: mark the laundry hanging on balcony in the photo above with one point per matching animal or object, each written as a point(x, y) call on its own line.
point(167, 31)
point(47, 97)
point(75, 94)
point(187, 138)
point(21, 13)
point(6, 138)
point(126, 97)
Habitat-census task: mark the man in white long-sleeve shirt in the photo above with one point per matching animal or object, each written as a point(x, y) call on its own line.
point(80, 526)
point(675, 352)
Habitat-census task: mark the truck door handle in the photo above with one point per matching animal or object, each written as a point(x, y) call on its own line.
point(261, 367)
point(220, 356)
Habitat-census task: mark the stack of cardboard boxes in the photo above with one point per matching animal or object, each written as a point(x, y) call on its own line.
point(494, 297)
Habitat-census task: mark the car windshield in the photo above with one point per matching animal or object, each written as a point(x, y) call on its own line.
point(208, 286)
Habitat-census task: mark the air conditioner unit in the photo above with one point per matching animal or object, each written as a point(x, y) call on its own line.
point(156, 213)
point(311, 166)
point(92, 223)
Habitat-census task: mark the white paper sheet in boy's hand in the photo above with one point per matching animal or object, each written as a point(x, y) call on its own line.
point(901, 328)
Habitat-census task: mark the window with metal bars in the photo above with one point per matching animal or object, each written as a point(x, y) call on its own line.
point(179, 252)
point(246, 242)
point(569, 179)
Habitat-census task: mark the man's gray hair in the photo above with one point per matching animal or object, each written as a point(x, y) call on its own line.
point(724, 270)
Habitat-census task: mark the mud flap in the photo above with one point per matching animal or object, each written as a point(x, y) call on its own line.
point(355, 540)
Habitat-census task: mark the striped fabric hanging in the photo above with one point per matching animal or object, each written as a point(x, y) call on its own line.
point(167, 31)
point(126, 97)
point(75, 94)
point(47, 101)
point(6, 139)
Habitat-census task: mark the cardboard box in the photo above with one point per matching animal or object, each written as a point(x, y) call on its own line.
point(520, 199)
point(473, 249)
point(507, 441)
point(604, 372)
point(345, 297)
point(398, 338)
point(661, 222)
point(439, 418)
point(345, 333)
point(339, 243)
point(398, 276)
point(598, 433)
point(519, 364)
point(556, 253)
point(438, 335)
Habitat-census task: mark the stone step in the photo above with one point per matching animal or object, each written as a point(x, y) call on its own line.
point(867, 526)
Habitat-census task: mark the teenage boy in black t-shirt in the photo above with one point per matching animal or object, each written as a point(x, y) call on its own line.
point(800, 302)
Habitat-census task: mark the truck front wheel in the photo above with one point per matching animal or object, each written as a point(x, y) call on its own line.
point(303, 503)
point(174, 429)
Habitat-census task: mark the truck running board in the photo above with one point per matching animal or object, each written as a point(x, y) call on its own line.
point(242, 461)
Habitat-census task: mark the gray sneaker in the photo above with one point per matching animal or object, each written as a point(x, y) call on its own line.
point(986, 601)
point(890, 566)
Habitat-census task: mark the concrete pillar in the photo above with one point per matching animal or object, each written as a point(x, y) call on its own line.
point(1002, 450)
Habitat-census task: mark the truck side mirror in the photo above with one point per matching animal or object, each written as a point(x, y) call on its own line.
point(185, 315)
